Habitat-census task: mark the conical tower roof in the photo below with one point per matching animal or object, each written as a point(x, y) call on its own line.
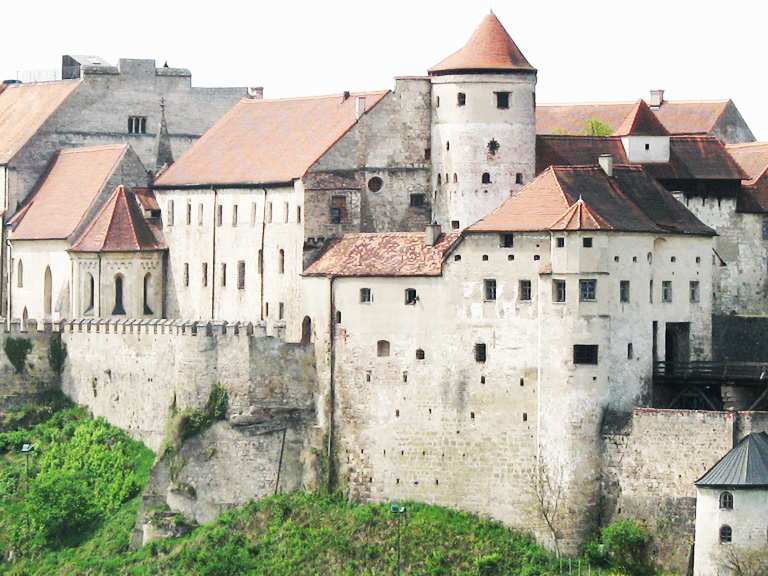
point(490, 49)
point(163, 152)
point(580, 217)
point(746, 465)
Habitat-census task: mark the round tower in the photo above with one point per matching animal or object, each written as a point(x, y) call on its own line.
point(483, 126)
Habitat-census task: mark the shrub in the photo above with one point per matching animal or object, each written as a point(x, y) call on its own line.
point(17, 350)
point(624, 546)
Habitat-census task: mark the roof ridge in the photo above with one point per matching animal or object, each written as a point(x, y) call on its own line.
point(318, 97)
point(103, 183)
point(98, 147)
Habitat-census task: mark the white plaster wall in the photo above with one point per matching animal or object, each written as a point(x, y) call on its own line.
point(748, 520)
point(36, 255)
point(658, 149)
point(468, 129)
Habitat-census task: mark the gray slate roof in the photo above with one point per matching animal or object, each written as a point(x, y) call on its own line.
point(745, 465)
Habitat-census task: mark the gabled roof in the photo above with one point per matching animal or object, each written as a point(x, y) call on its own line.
point(118, 227)
point(746, 465)
point(385, 254)
point(694, 117)
point(691, 157)
point(752, 157)
point(266, 141)
point(585, 198)
point(490, 49)
point(641, 122)
point(68, 189)
point(23, 110)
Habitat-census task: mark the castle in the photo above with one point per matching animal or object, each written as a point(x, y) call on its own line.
point(501, 296)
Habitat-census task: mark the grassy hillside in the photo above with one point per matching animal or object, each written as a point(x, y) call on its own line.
point(76, 513)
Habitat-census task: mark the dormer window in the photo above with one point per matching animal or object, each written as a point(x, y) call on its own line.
point(502, 100)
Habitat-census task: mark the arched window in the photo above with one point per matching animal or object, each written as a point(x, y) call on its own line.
point(382, 348)
point(47, 292)
point(90, 286)
point(455, 178)
point(20, 275)
point(726, 534)
point(25, 316)
point(726, 501)
point(419, 354)
point(306, 330)
point(147, 292)
point(281, 261)
point(486, 178)
point(119, 309)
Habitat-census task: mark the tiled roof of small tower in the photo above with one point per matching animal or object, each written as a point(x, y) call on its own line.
point(65, 193)
point(384, 254)
point(23, 110)
point(585, 198)
point(266, 141)
point(489, 49)
point(753, 158)
point(746, 465)
point(119, 227)
point(641, 121)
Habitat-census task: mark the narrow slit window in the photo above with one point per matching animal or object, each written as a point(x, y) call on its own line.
point(241, 275)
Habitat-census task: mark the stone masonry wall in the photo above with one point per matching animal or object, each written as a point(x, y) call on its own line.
point(36, 377)
point(650, 464)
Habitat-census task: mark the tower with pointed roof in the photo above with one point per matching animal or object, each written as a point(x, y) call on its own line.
point(483, 126)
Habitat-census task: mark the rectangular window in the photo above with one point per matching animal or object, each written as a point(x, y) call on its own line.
point(693, 290)
point(234, 215)
point(525, 290)
point(204, 274)
point(489, 289)
point(558, 290)
point(587, 242)
point(338, 209)
point(189, 213)
point(519, 178)
point(588, 290)
point(666, 291)
point(418, 200)
point(585, 354)
point(507, 240)
point(461, 99)
point(502, 100)
point(169, 210)
point(411, 297)
point(455, 225)
point(480, 352)
point(254, 211)
point(560, 241)
point(269, 212)
point(286, 212)
point(366, 297)
point(223, 274)
point(137, 124)
point(241, 275)
point(219, 215)
point(200, 214)
point(280, 310)
point(624, 291)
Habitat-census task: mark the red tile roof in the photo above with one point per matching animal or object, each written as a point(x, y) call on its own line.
point(386, 254)
point(584, 198)
point(119, 227)
point(146, 198)
point(753, 157)
point(677, 117)
point(62, 198)
point(489, 49)
point(691, 157)
point(23, 110)
point(266, 141)
point(641, 122)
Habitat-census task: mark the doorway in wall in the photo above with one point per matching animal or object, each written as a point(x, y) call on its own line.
point(677, 345)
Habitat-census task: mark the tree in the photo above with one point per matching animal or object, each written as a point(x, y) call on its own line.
point(547, 491)
point(740, 561)
point(596, 127)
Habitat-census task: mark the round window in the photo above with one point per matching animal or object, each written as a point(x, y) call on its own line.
point(375, 184)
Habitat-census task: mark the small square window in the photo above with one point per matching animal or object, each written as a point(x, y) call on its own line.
point(624, 291)
point(588, 290)
point(489, 289)
point(455, 224)
point(666, 291)
point(519, 178)
point(558, 290)
point(694, 291)
point(480, 352)
point(411, 297)
point(507, 240)
point(586, 242)
point(418, 200)
point(461, 99)
point(585, 354)
point(525, 290)
point(502, 100)
point(366, 297)
point(560, 242)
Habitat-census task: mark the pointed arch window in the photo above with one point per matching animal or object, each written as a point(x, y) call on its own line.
point(90, 296)
point(281, 261)
point(147, 293)
point(20, 275)
point(118, 309)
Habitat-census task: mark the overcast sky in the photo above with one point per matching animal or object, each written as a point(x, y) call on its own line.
point(584, 50)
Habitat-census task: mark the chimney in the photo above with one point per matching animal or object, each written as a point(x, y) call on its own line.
point(657, 98)
point(432, 234)
point(256, 92)
point(606, 163)
point(345, 96)
point(359, 107)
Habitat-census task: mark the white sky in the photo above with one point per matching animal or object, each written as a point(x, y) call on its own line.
point(587, 50)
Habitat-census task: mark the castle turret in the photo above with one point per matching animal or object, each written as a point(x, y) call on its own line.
point(483, 126)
